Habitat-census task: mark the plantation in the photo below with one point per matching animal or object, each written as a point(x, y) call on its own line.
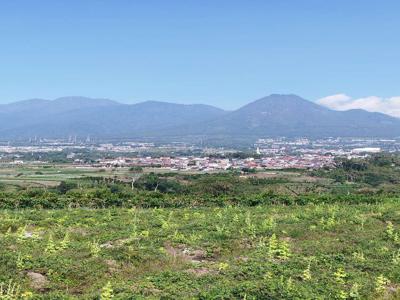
point(286, 235)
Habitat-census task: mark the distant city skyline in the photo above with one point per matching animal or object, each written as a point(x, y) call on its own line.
point(342, 54)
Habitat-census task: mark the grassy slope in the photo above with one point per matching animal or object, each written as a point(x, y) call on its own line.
point(214, 253)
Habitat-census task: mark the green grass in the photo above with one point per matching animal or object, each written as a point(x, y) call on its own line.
point(49, 176)
point(334, 250)
point(320, 252)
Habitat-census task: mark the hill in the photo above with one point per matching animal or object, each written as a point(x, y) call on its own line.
point(100, 118)
point(275, 115)
point(290, 115)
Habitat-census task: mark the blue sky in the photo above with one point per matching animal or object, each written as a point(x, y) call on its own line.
point(225, 53)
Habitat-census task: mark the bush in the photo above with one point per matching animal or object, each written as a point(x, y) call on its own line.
point(64, 186)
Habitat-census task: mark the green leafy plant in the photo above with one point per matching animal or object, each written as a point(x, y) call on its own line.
point(381, 283)
point(340, 276)
point(306, 276)
point(107, 292)
point(51, 246)
point(94, 248)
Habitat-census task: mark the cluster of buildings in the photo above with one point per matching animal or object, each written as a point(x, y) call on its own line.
point(334, 146)
point(59, 147)
point(269, 153)
point(307, 161)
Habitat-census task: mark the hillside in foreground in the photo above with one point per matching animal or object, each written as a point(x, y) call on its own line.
point(288, 234)
point(266, 252)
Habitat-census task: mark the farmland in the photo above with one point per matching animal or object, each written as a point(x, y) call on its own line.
point(286, 235)
point(214, 253)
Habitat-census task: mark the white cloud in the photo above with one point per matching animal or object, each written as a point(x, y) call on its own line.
point(389, 106)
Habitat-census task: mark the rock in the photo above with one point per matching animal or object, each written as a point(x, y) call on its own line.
point(392, 289)
point(197, 255)
point(194, 256)
point(78, 230)
point(242, 258)
point(114, 244)
point(107, 245)
point(201, 272)
point(112, 265)
point(172, 251)
point(38, 281)
point(28, 234)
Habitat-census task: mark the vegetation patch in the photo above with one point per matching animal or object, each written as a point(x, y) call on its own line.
point(325, 251)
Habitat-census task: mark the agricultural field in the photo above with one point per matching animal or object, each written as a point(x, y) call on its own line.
point(45, 175)
point(263, 252)
point(50, 175)
point(95, 234)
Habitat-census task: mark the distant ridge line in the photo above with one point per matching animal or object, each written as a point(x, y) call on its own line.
point(271, 116)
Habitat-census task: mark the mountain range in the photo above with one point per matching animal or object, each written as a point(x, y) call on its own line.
point(271, 116)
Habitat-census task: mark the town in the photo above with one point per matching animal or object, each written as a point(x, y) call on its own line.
point(307, 161)
point(269, 153)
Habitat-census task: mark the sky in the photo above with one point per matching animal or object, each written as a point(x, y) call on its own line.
point(223, 53)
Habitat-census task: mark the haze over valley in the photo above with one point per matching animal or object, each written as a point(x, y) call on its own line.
point(272, 116)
